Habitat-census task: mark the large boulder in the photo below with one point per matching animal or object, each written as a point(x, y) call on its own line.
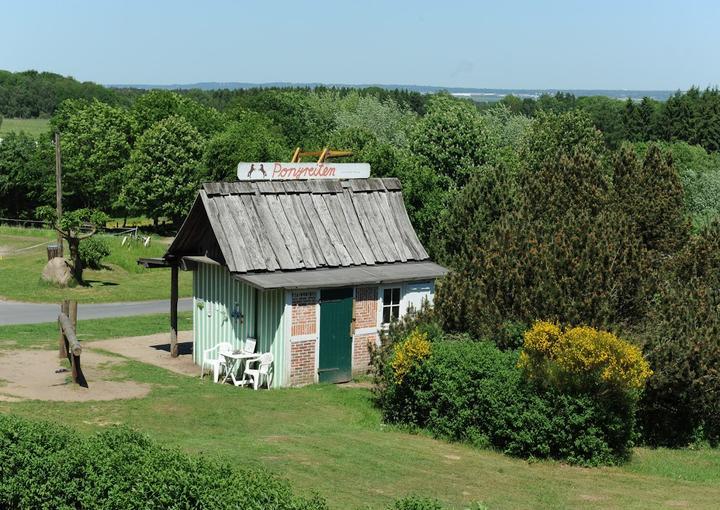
point(57, 271)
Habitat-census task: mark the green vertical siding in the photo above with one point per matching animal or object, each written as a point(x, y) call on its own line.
point(220, 294)
point(271, 332)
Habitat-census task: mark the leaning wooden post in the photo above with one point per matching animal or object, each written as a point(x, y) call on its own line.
point(174, 274)
point(62, 351)
point(73, 314)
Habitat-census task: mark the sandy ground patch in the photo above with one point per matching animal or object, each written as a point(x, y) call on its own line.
point(31, 374)
point(153, 350)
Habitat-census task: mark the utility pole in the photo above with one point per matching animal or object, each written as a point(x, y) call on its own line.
point(58, 189)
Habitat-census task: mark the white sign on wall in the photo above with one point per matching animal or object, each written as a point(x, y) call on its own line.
point(289, 171)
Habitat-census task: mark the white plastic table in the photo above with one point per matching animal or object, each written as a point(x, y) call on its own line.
point(234, 361)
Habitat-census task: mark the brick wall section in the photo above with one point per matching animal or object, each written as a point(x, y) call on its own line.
point(365, 307)
point(303, 313)
point(303, 322)
point(365, 317)
point(302, 363)
point(361, 353)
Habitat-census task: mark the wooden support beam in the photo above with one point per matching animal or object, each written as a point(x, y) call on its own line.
point(64, 310)
point(73, 344)
point(174, 274)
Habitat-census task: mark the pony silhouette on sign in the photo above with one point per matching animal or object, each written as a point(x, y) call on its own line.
point(253, 169)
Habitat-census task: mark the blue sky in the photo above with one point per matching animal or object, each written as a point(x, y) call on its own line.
point(506, 44)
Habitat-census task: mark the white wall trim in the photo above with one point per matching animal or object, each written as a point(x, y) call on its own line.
point(366, 331)
point(317, 335)
point(303, 338)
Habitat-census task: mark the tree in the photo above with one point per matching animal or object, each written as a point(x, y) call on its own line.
point(451, 138)
point(164, 172)
point(652, 195)
point(25, 174)
point(303, 123)
point(74, 227)
point(681, 403)
point(250, 137)
point(96, 140)
point(157, 105)
point(562, 250)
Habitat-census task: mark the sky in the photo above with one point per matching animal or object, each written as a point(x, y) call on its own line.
point(543, 44)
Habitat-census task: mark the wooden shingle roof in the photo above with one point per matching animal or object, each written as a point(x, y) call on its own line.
point(263, 226)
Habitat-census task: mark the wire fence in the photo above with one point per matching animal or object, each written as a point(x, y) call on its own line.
point(24, 223)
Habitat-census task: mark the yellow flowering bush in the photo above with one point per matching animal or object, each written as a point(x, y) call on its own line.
point(408, 353)
point(582, 354)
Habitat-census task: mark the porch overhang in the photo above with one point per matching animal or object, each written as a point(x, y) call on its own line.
point(344, 276)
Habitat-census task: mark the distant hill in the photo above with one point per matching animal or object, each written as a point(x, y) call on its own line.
point(478, 94)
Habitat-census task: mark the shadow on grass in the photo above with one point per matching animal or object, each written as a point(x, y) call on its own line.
point(99, 283)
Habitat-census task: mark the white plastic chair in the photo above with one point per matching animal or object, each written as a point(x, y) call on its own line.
point(216, 363)
point(263, 372)
point(249, 345)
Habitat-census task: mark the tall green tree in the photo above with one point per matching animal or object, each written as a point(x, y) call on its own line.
point(250, 137)
point(562, 251)
point(96, 140)
point(650, 191)
point(157, 105)
point(451, 138)
point(164, 172)
point(26, 174)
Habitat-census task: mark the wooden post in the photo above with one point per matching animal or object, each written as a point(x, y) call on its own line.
point(73, 314)
point(174, 274)
point(58, 189)
point(62, 351)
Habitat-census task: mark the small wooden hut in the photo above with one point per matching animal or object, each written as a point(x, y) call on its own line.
point(312, 269)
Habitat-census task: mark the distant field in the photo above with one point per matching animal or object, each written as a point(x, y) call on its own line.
point(31, 126)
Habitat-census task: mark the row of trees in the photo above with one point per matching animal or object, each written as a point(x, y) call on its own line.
point(692, 116)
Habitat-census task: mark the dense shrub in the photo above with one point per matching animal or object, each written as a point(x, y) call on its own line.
point(44, 465)
point(409, 353)
point(471, 391)
point(92, 252)
point(681, 403)
point(582, 358)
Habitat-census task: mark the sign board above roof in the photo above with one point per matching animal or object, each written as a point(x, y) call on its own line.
point(290, 171)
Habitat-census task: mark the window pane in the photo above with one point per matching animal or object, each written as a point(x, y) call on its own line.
point(386, 314)
point(395, 311)
point(387, 296)
point(396, 296)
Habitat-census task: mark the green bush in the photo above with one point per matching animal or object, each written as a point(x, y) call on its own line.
point(92, 252)
point(44, 465)
point(681, 403)
point(472, 392)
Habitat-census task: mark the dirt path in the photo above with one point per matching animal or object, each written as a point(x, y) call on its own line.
point(154, 350)
point(31, 375)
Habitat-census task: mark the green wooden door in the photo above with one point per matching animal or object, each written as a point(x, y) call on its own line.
point(335, 335)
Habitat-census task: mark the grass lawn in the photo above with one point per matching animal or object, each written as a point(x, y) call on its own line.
point(331, 439)
point(30, 126)
point(23, 256)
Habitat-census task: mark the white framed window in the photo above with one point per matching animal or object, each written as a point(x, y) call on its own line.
point(390, 300)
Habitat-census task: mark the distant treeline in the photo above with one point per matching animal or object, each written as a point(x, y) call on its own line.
point(32, 94)
point(692, 116)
